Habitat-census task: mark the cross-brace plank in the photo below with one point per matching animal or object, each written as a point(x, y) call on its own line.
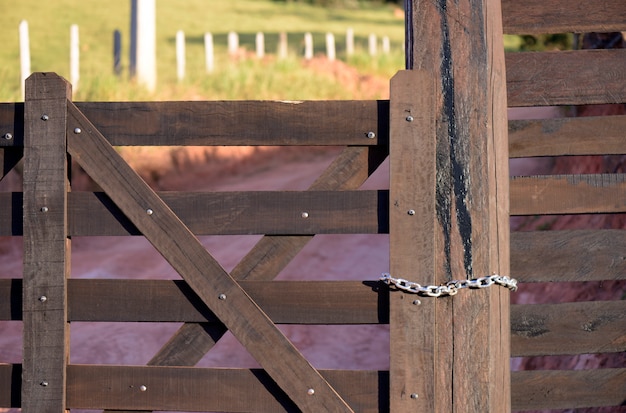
point(222, 294)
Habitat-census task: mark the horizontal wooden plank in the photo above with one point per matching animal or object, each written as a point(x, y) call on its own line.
point(577, 77)
point(231, 390)
point(568, 194)
point(594, 135)
point(227, 213)
point(563, 16)
point(568, 328)
point(236, 123)
point(558, 389)
point(10, 385)
point(562, 256)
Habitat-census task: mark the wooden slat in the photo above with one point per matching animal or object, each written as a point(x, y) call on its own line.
point(568, 194)
point(190, 259)
point(558, 389)
point(285, 302)
point(235, 123)
point(578, 77)
point(562, 256)
point(563, 16)
point(10, 385)
point(595, 135)
point(568, 328)
point(196, 389)
point(46, 244)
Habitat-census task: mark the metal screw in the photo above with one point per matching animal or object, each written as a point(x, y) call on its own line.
point(44, 209)
point(371, 135)
point(8, 136)
point(414, 395)
point(409, 118)
point(77, 130)
point(417, 302)
point(143, 388)
point(305, 214)
point(310, 392)
point(411, 212)
point(222, 296)
point(44, 383)
point(44, 117)
point(149, 211)
point(43, 298)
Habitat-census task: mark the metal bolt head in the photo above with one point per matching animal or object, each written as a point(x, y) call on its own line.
point(411, 212)
point(149, 211)
point(417, 302)
point(222, 296)
point(310, 392)
point(305, 214)
point(44, 117)
point(77, 130)
point(414, 395)
point(143, 388)
point(44, 209)
point(8, 136)
point(371, 135)
point(44, 383)
point(409, 118)
point(43, 298)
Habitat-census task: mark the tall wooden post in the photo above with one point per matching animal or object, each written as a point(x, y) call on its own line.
point(46, 244)
point(452, 354)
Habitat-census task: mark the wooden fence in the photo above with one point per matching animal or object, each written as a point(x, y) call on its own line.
point(446, 213)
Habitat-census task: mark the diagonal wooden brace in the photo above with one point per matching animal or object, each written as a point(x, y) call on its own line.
point(223, 295)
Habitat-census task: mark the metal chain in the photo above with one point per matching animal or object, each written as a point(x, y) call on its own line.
point(451, 287)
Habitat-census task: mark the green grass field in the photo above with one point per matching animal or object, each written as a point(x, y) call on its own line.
point(50, 21)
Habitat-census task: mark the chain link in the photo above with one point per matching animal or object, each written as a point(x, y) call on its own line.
point(451, 287)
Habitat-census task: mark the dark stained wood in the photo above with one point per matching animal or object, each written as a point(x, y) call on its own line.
point(460, 43)
point(184, 252)
point(579, 77)
point(596, 135)
point(196, 389)
point(10, 384)
point(9, 157)
point(10, 299)
point(563, 256)
point(563, 16)
point(558, 389)
point(285, 302)
point(568, 328)
point(46, 244)
point(568, 194)
point(12, 121)
point(236, 123)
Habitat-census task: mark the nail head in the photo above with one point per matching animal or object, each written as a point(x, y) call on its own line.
point(411, 212)
point(44, 209)
point(222, 296)
point(43, 298)
point(305, 214)
point(44, 383)
point(409, 118)
point(417, 302)
point(8, 136)
point(310, 392)
point(143, 388)
point(44, 117)
point(371, 135)
point(77, 130)
point(149, 211)
point(414, 396)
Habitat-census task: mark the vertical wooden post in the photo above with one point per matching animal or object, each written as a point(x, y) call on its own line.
point(46, 244)
point(459, 359)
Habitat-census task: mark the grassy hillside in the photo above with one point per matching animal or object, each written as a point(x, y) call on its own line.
point(49, 24)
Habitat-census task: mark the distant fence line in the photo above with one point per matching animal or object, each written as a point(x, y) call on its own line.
point(233, 47)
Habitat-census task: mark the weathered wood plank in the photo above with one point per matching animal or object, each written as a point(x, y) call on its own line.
point(10, 385)
point(184, 252)
point(460, 43)
point(563, 389)
point(183, 388)
point(579, 77)
point(46, 244)
point(568, 194)
point(594, 135)
point(563, 256)
point(568, 328)
point(563, 16)
point(285, 302)
point(235, 123)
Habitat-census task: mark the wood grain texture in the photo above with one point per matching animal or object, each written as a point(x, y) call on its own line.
point(237, 123)
point(568, 328)
point(564, 389)
point(563, 16)
point(460, 44)
point(594, 135)
point(565, 256)
point(580, 77)
point(568, 194)
point(183, 388)
point(46, 244)
point(184, 252)
point(10, 385)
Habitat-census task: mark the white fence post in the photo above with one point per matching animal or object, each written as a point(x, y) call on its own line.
point(386, 45)
point(308, 46)
point(330, 46)
point(208, 52)
point(24, 55)
point(372, 44)
point(260, 45)
point(350, 41)
point(233, 44)
point(74, 57)
point(143, 42)
point(180, 55)
point(282, 45)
